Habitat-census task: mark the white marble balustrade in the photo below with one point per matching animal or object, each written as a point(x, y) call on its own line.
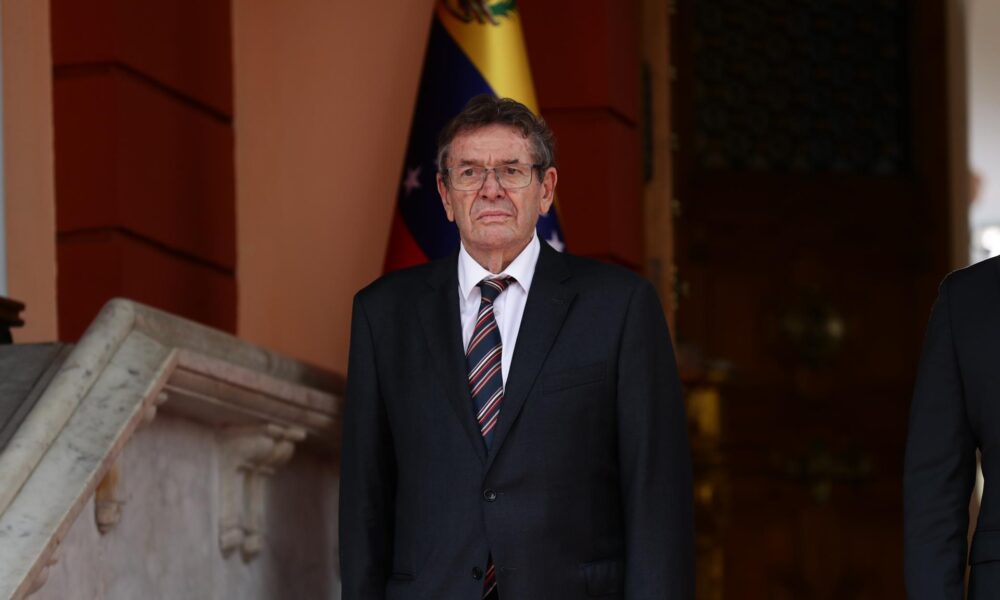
point(169, 460)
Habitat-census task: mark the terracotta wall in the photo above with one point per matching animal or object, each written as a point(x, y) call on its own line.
point(324, 93)
point(658, 205)
point(144, 158)
point(585, 60)
point(28, 168)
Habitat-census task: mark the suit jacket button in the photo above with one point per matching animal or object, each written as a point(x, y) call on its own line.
point(490, 495)
point(477, 573)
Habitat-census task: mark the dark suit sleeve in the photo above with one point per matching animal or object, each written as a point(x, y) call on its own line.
point(367, 485)
point(654, 457)
point(939, 468)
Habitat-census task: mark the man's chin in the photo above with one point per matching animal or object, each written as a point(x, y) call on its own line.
point(497, 241)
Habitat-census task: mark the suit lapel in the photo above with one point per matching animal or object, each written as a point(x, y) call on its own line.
point(546, 308)
point(439, 315)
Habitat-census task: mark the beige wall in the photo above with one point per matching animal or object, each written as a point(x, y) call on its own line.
point(28, 166)
point(324, 92)
point(983, 18)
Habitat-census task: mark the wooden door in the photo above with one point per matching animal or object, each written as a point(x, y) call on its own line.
point(811, 171)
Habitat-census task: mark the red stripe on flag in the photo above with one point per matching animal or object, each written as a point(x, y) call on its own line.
point(403, 250)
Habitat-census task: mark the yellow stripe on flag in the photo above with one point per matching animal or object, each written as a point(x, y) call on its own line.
point(497, 51)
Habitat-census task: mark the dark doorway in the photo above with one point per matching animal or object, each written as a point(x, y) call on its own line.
point(811, 168)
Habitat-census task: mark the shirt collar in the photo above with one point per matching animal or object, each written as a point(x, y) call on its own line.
point(522, 269)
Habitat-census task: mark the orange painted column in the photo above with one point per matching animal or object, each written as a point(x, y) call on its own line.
point(324, 97)
point(29, 197)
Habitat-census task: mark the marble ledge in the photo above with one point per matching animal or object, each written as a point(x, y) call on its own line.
point(132, 362)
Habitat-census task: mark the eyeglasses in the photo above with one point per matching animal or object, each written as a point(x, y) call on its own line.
point(471, 177)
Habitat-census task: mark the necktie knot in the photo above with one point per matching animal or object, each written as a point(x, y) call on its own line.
point(491, 288)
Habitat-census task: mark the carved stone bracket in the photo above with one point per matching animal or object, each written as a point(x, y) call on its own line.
point(107, 501)
point(249, 456)
point(152, 406)
point(43, 573)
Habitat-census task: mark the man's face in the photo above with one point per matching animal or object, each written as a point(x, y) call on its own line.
point(491, 218)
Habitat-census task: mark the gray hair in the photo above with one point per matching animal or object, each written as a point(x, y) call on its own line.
point(486, 109)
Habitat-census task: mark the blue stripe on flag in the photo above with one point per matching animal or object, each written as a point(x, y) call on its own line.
point(448, 81)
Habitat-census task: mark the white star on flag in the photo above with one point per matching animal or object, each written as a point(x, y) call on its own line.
point(412, 180)
point(555, 242)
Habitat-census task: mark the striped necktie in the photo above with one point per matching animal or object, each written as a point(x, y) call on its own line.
point(485, 361)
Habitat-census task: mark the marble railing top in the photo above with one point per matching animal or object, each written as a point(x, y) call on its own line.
point(133, 361)
point(245, 382)
point(25, 371)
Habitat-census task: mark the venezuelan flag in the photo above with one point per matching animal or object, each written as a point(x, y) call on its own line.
point(475, 47)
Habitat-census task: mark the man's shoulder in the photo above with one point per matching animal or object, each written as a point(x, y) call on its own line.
point(972, 292)
point(977, 278)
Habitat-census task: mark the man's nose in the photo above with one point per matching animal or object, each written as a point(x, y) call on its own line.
point(491, 185)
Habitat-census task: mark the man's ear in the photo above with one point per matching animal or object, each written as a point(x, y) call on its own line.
point(445, 201)
point(549, 179)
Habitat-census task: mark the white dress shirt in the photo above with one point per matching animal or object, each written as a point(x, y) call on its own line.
point(508, 307)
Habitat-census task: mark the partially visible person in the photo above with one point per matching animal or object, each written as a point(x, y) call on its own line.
point(955, 411)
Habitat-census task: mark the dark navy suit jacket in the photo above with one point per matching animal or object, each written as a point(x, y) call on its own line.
point(586, 489)
point(955, 410)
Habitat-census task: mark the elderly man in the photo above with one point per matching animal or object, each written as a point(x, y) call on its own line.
point(514, 426)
